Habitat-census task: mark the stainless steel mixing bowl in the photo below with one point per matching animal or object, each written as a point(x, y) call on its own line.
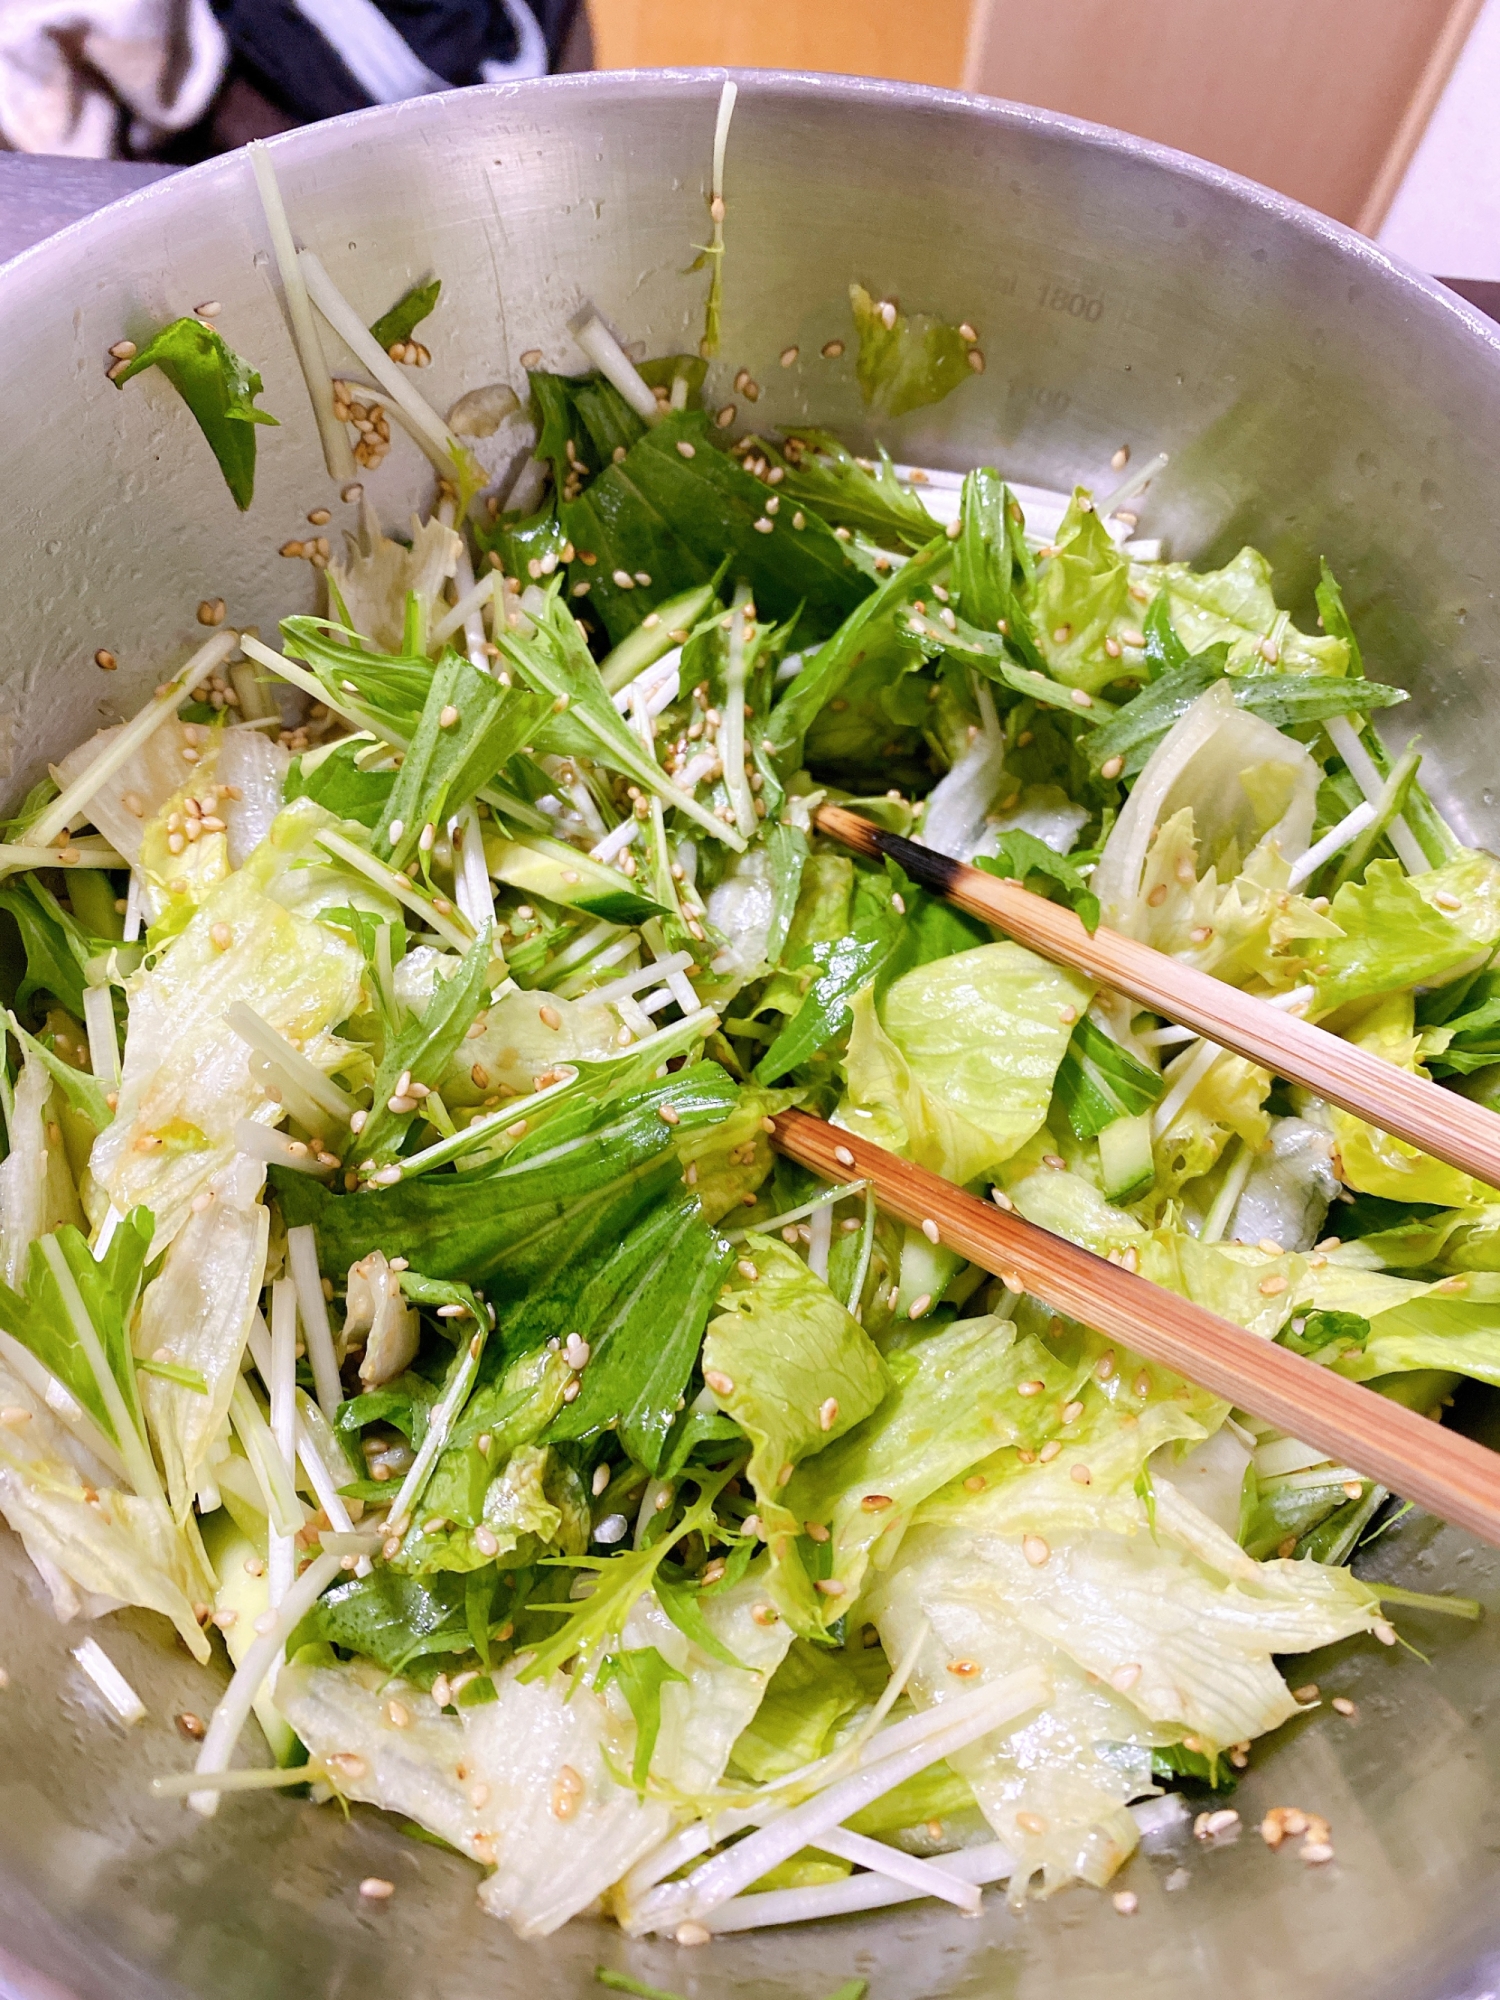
point(1315, 399)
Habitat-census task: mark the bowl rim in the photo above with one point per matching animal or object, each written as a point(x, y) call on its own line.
point(1011, 114)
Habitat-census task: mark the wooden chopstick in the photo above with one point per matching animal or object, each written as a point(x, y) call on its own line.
point(1449, 1127)
point(1448, 1474)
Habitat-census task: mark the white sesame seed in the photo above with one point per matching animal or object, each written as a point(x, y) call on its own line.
point(920, 1304)
point(828, 1414)
point(930, 1229)
point(1035, 1550)
point(844, 1157)
point(692, 1933)
point(1111, 767)
point(375, 1889)
point(1342, 1705)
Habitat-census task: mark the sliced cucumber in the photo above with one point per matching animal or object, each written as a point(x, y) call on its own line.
point(550, 868)
point(1125, 1157)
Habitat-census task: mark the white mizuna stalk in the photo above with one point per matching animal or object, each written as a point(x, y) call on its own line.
point(76, 854)
point(233, 1711)
point(445, 450)
point(870, 1746)
point(990, 1863)
point(1133, 483)
point(258, 1778)
point(1192, 1073)
point(104, 1045)
point(1350, 827)
point(337, 455)
point(820, 1242)
point(988, 1709)
point(272, 1044)
point(302, 1261)
point(440, 1423)
point(466, 613)
point(120, 748)
point(140, 1467)
point(339, 701)
point(281, 1566)
point(110, 1682)
point(471, 882)
point(135, 911)
point(816, 1206)
point(396, 884)
point(917, 1874)
point(313, 1459)
point(261, 1142)
point(732, 729)
point(1344, 737)
point(866, 1251)
point(614, 364)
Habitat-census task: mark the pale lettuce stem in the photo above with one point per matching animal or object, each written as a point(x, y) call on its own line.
point(120, 748)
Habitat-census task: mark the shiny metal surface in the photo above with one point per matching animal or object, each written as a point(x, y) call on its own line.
point(1315, 399)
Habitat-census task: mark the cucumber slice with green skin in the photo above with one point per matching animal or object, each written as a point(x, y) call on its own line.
point(551, 869)
point(646, 645)
point(1125, 1157)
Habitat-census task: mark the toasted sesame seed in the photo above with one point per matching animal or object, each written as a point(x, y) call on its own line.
point(720, 1383)
point(920, 1304)
point(930, 1229)
point(211, 611)
point(1111, 767)
point(832, 349)
point(1113, 647)
point(876, 1503)
point(1276, 1283)
point(1081, 1475)
point(725, 417)
point(1126, 1901)
point(375, 1889)
point(1032, 1388)
point(965, 1669)
point(1269, 650)
point(828, 1414)
point(124, 350)
point(1030, 1822)
point(1035, 1550)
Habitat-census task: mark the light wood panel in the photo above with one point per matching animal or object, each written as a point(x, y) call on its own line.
point(1323, 99)
point(921, 43)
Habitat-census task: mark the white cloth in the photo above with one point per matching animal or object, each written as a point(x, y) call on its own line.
point(71, 69)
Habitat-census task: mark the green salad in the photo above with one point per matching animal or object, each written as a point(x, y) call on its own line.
point(399, 1278)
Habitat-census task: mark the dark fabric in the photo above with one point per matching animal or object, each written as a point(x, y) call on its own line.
point(290, 64)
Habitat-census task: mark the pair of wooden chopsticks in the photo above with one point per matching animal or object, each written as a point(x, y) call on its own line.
point(1420, 1460)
